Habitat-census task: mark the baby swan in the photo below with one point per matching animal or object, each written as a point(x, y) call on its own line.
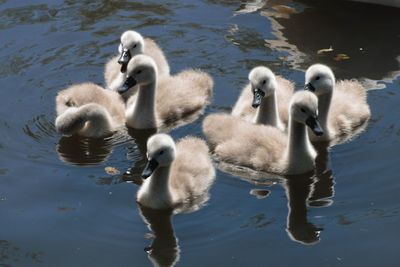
point(177, 174)
point(265, 99)
point(163, 102)
point(343, 109)
point(265, 148)
point(132, 43)
point(88, 110)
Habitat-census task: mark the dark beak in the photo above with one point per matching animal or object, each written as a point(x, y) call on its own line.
point(150, 168)
point(314, 125)
point(124, 59)
point(309, 87)
point(258, 95)
point(129, 83)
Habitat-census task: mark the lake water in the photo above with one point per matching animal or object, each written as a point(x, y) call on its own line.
point(58, 206)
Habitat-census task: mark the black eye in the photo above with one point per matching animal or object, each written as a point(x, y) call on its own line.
point(139, 71)
point(317, 78)
point(161, 152)
point(303, 110)
point(134, 46)
point(264, 82)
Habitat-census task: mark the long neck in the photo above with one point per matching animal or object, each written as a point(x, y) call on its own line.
point(324, 102)
point(267, 113)
point(143, 115)
point(159, 184)
point(299, 152)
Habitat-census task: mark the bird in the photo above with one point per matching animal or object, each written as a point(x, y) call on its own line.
point(265, 99)
point(342, 105)
point(266, 148)
point(89, 110)
point(175, 174)
point(163, 102)
point(133, 43)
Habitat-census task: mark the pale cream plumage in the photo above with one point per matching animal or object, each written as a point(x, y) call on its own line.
point(266, 148)
point(164, 102)
point(176, 174)
point(343, 107)
point(88, 110)
point(274, 105)
point(136, 44)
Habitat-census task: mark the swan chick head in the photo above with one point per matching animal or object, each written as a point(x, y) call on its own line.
point(319, 79)
point(263, 84)
point(132, 44)
point(161, 152)
point(304, 109)
point(141, 70)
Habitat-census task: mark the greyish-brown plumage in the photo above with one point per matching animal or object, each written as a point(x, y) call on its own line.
point(132, 44)
point(273, 94)
point(175, 174)
point(88, 110)
point(342, 105)
point(266, 148)
point(164, 102)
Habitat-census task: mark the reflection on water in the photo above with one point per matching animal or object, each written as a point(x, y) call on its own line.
point(352, 29)
point(322, 189)
point(313, 189)
point(309, 190)
point(164, 249)
point(84, 151)
point(298, 227)
point(46, 45)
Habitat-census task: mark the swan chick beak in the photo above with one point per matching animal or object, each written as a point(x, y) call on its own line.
point(150, 168)
point(124, 59)
point(258, 95)
point(314, 125)
point(309, 87)
point(129, 82)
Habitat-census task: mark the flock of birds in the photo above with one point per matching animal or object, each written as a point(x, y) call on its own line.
point(271, 127)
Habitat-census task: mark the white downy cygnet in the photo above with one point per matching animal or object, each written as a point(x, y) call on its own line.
point(265, 148)
point(132, 44)
point(89, 110)
point(265, 99)
point(175, 174)
point(342, 105)
point(163, 102)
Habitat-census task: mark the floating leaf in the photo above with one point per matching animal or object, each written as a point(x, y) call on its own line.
point(325, 50)
point(340, 57)
point(111, 170)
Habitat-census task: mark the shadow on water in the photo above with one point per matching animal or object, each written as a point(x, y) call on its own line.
point(353, 30)
point(313, 189)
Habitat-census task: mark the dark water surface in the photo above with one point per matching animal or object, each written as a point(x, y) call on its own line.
point(58, 206)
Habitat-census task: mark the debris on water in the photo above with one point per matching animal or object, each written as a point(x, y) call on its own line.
point(111, 170)
point(325, 50)
point(340, 57)
point(65, 208)
point(260, 193)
